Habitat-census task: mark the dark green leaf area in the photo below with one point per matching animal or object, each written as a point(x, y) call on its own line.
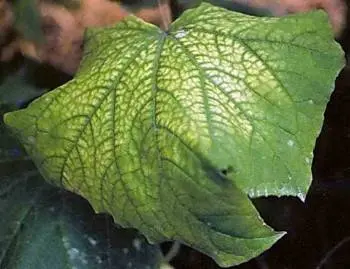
point(43, 227)
point(19, 83)
point(27, 19)
point(12, 156)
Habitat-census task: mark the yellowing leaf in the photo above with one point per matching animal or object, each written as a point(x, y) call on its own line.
point(169, 131)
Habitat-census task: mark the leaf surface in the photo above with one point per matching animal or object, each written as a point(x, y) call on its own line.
point(43, 227)
point(169, 131)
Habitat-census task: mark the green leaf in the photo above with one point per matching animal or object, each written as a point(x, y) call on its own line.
point(169, 131)
point(28, 20)
point(12, 156)
point(43, 227)
point(16, 89)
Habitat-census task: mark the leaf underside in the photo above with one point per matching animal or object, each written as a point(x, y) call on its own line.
point(169, 131)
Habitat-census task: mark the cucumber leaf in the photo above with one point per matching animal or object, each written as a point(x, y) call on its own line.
point(44, 227)
point(169, 132)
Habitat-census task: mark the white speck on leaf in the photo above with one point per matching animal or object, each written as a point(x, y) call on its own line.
point(31, 139)
point(284, 190)
point(65, 242)
point(137, 244)
point(98, 259)
point(180, 34)
point(301, 195)
point(82, 258)
point(73, 253)
point(125, 250)
point(217, 80)
point(92, 241)
point(266, 192)
point(290, 143)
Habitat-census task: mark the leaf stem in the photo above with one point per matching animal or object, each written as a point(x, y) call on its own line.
point(172, 253)
point(332, 251)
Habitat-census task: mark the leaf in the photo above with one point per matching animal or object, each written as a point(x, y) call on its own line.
point(16, 89)
point(43, 227)
point(10, 151)
point(27, 19)
point(169, 131)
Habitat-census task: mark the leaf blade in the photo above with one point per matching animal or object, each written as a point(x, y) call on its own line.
point(158, 116)
point(43, 227)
